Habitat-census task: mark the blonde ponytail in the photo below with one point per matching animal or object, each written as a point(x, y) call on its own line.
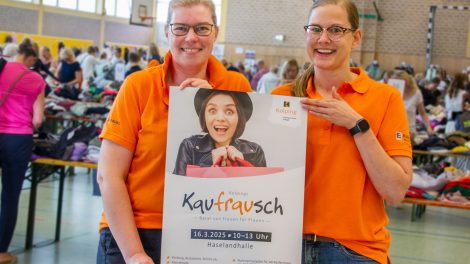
point(299, 87)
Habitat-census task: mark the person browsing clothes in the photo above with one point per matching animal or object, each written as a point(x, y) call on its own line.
point(222, 116)
point(131, 173)
point(21, 111)
point(358, 144)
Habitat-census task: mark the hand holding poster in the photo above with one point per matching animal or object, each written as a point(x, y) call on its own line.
point(234, 178)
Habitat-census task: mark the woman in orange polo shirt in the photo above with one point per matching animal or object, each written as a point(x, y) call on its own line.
point(131, 169)
point(358, 144)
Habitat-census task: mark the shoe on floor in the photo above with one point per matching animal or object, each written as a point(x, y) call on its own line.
point(8, 258)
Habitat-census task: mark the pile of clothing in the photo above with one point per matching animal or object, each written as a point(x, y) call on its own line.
point(79, 143)
point(440, 182)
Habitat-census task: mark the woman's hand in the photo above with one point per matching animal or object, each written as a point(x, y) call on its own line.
point(335, 110)
point(195, 82)
point(233, 153)
point(219, 153)
point(140, 258)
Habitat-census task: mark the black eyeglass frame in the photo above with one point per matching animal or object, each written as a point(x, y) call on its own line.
point(189, 28)
point(343, 29)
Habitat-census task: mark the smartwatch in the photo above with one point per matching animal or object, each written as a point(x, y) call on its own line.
point(361, 126)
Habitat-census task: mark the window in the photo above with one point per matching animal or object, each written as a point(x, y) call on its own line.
point(110, 7)
point(123, 8)
point(119, 8)
point(162, 10)
point(69, 4)
point(50, 2)
point(87, 6)
point(80, 5)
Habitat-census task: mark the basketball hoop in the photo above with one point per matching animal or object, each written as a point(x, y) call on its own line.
point(141, 13)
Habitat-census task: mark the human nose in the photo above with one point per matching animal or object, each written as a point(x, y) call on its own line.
point(220, 115)
point(324, 36)
point(191, 34)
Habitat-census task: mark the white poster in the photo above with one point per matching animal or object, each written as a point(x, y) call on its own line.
point(234, 183)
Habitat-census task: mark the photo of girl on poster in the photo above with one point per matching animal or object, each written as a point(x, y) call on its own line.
point(222, 116)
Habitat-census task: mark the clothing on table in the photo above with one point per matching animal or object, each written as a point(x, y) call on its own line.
point(16, 113)
point(67, 71)
point(197, 150)
point(411, 106)
point(356, 202)
point(138, 121)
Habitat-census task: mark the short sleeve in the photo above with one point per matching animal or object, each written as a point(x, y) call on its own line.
point(123, 123)
point(419, 97)
point(393, 134)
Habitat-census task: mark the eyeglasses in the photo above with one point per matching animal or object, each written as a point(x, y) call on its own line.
point(182, 29)
point(335, 33)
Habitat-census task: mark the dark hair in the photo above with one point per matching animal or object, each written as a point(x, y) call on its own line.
point(241, 124)
point(9, 39)
point(91, 50)
point(457, 84)
point(299, 87)
point(28, 48)
point(134, 57)
point(436, 80)
point(103, 55)
point(60, 46)
point(76, 51)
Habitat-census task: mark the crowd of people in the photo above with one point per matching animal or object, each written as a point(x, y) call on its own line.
point(364, 121)
point(88, 69)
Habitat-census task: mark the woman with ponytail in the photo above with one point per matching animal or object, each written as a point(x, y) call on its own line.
point(21, 110)
point(358, 144)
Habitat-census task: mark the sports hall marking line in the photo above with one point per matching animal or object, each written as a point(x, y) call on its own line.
point(419, 260)
point(426, 234)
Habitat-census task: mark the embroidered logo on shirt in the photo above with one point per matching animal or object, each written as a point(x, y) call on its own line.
point(399, 136)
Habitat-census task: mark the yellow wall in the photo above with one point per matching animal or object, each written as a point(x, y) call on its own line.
point(51, 42)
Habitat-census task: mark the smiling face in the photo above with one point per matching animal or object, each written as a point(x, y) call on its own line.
point(323, 52)
point(191, 50)
point(221, 119)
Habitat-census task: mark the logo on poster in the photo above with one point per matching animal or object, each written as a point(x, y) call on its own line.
point(286, 109)
point(224, 204)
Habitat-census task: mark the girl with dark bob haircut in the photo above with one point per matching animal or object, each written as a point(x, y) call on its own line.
point(222, 116)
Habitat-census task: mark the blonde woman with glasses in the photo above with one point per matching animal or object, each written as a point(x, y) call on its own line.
point(132, 161)
point(358, 144)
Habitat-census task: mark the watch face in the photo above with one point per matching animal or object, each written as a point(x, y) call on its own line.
point(363, 125)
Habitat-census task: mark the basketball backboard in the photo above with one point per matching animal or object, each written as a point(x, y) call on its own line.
point(142, 13)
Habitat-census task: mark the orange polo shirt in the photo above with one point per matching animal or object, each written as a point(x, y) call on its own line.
point(138, 121)
point(340, 199)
